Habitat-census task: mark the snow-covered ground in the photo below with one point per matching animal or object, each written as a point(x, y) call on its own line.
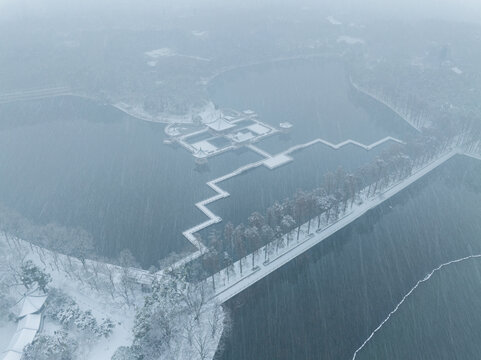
point(276, 161)
point(137, 111)
point(333, 20)
point(201, 34)
point(163, 52)
point(457, 70)
point(77, 281)
point(167, 52)
point(259, 129)
point(349, 40)
point(100, 302)
point(205, 341)
point(204, 146)
point(102, 306)
point(7, 329)
point(208, 113)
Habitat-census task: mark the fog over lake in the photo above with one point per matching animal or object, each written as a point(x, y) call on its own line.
point(257, 180)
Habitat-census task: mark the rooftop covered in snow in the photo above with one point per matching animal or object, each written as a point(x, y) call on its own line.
point(32, 304)
point(220, 124)
point(241, 136)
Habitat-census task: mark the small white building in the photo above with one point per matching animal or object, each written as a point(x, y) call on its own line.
point(220, 125)
point(29, 324)
point(241, 136)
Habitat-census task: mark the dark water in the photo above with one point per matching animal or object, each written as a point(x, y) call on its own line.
point(106, 173)
point(314, 95)
point(261, 187)
point(81, 164)
point(326, 303)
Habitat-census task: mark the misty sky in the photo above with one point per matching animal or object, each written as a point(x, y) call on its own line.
point(459, 10)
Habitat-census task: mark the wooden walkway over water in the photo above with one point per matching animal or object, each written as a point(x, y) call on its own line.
point(229, 282)
point(269, 161)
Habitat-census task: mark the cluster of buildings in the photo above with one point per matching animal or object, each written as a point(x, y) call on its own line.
point(225, 133)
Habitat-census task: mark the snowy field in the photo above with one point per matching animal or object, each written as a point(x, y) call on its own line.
point(167, 52)
point(457, 70)
point(333, 21)
point(98, 301)
point(349, 40)
point(86, 284)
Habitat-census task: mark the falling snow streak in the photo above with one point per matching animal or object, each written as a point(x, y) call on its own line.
point(426, 278)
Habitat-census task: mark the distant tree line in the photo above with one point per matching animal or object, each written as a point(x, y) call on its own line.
point(69, 241)
point(73, 242)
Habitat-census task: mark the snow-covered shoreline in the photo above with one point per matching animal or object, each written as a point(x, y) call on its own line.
point(140, 114)
point(86, 283)
point(416, 124)
point(75, 283)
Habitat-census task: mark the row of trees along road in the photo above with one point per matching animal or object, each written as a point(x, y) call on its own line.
point(323, 205)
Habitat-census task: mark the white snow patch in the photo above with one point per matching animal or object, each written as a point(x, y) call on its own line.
point(277, 161)
point(457, 70)
point(99, 302)
point(259, 129)
point(220, 124)
point(204, 146)
point(333, 20)
point(163, 52)
point(350, 40)
point(167, 52)
point(200, 34)
point(285, 125)
point(241, 137)
point(209, 113)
